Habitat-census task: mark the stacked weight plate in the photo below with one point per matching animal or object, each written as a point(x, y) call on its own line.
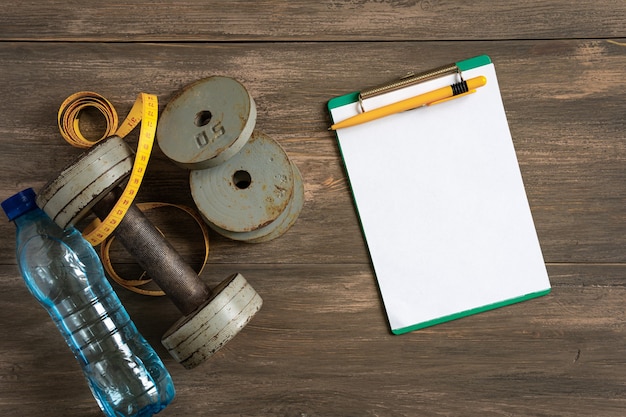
point(241, 180)
point(70, 197)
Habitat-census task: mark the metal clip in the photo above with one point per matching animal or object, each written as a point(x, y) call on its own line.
point(408, 80)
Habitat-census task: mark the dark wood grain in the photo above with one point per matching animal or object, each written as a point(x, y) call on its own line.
point(558, 355)
point(565, 114)
point(320, 345)
point(303, 20)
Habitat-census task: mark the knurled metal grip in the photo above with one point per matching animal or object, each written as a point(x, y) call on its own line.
point(210, 318)
point(156, 256)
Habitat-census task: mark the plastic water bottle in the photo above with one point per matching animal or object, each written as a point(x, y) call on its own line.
point(64, 273)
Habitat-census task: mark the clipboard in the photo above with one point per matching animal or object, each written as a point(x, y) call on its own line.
point(441, 200)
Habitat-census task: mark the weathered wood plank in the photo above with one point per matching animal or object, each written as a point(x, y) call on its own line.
point(321, 346)
point(566, 118)
point(334, 20)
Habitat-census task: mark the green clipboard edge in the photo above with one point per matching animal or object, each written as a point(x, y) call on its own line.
point(470, 312)
point(471, 63)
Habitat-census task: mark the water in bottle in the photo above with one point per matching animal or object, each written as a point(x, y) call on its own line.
point(64, 273)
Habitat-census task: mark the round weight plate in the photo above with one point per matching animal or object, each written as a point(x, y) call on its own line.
point(247, 192)
point(289, 216)
point(207, 123)
point(70, 196)
point(279, 226)
point(196, 337)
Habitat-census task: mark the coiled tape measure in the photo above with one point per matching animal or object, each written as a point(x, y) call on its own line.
point(144, 110)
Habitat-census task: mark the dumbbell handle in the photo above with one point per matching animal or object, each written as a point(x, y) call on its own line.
point(156, 256)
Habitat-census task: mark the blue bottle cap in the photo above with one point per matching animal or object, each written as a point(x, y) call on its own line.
point(20, 203)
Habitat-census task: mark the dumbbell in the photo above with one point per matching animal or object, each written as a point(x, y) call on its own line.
point(211, 317)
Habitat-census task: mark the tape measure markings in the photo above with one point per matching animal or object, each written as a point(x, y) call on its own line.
point(144, 110)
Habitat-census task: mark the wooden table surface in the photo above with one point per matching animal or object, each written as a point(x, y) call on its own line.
point(320, 346)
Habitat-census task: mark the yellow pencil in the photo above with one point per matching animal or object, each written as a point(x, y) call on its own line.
point(431, 97)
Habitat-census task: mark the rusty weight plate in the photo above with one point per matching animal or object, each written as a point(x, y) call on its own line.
point(282, 223)
point(196, 337)
point(252, 194)
point(207, 123)
point(69, 197)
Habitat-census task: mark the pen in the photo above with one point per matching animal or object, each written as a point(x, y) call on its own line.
point(440, 94)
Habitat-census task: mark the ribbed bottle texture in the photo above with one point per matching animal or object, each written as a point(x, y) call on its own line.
point(65, 275)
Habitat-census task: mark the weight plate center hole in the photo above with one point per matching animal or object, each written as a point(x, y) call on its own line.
point(203, 118)
point(242, 179)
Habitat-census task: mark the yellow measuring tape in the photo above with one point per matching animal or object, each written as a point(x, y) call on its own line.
point(145, 109)
point(69, 115)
